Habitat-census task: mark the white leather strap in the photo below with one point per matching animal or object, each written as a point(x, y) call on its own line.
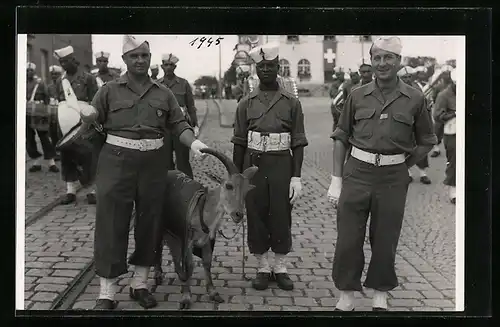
point(377, 159)
point(141, 145)
point(268, 142)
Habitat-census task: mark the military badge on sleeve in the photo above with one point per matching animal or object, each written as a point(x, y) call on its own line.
point(159, 113)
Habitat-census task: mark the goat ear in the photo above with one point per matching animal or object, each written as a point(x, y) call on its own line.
point(214, 177)
point(250, 171)
point(250, 187)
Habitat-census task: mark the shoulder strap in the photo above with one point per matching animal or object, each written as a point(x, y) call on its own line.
point(34, 92)
point(100, 82)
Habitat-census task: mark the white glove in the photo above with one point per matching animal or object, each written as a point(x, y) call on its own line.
point(196, 130)
point(333, 194)
point(295, 189)
point(196, 146)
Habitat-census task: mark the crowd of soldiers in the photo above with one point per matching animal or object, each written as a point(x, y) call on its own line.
point(385, 127)
point(440, 97)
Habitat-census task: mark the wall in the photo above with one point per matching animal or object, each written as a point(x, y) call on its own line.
point(41, 50)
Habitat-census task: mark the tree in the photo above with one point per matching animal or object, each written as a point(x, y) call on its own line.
point(230, 75)
point(209, 81)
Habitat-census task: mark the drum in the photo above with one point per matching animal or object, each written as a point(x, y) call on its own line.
point(38, 115)
point(69, 117)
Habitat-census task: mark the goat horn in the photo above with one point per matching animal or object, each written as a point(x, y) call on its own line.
point(228, 163)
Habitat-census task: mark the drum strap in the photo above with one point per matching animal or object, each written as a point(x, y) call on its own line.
point(100, 82)
point(34, 92)
point(69, 95)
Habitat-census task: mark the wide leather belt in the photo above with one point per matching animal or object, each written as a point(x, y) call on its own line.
point(141, 145)
point(377, 159)
point(266, 142)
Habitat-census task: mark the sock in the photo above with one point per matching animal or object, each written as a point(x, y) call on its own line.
point(280, 264)
point(436, 149)
point(263, 263)
point(140, 279)
point(346, 301)
point(71, 187)
point(380, 299)
point(422, 172)
point(36, 162)
point(93, 191)
point(51, 162)
point(107, 288)
point(452, 192)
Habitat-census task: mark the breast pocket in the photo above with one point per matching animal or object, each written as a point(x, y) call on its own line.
point(363, 125)
point(254, 113)
point(284, 115)
point(158, 112)
point(121, 113)
point(401, 127)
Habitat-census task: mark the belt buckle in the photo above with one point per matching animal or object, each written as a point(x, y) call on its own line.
point(264, 140)
point(377, 160)
point(142, 145)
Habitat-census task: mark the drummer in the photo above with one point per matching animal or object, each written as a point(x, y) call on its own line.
point(84, 86)
point(104, 74)
point(37, 91)
point(54, 130)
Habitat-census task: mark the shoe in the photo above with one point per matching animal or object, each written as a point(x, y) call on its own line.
point(91, 199)
point(453, 200)
point(54, 169)
point(425, 180)
point(143, 297)
point(261, 281)
point(284, 282)
point(105, 304)
point(69, 198)
point(35, 168)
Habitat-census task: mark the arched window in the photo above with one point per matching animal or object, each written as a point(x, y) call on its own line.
point(304, 69)
point(284, 68)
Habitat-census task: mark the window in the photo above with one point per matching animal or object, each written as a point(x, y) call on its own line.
point(284, 68)
point(304, 69)
point(365, 38)
point(292, 38)
point(29, 52)
point(329, 38)
point(44, 66)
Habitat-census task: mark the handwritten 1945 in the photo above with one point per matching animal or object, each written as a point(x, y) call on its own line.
point(202, 40)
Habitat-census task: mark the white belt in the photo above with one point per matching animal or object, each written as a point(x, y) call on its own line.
point(269, 141)
point(377, 159)
point(141, 145)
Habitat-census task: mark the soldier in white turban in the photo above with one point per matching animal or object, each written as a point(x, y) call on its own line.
point(155, 70)
point(381, 123)
point(37, 122)
point(104, 74)
point(269, 133)
point(84, 86)
point(135, 112)
point(445, 113)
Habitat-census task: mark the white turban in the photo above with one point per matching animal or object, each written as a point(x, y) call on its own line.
point(64, 52)
point(30, 65)
point(102, 54)
point(406, 70)
point(169, 57)
point(55, 68)
point(268, 51)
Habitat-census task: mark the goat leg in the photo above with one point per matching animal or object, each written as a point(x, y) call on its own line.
point(185, 277)
point(158, 271)
point(207, 267)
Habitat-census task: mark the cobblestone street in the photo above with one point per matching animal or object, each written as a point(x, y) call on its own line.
point(60, 244)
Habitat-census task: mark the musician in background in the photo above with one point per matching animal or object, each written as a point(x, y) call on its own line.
point(267, 114)
point(155, 70)
point(54, 130)
point(104, 74)
point(445, 113)
point(84, 87)
point(184, 95)
point(407, 75)
point(37, 92)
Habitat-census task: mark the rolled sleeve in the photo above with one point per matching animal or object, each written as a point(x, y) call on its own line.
point(298, 135)
point(424, 128)
point(175, 119)
point(240, 124)
point(343, 130)
point(100, 102)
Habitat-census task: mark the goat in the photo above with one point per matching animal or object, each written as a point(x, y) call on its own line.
point(192, 216)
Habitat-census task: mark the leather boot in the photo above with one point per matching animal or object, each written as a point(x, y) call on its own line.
point(261, 281)
point(280, 273)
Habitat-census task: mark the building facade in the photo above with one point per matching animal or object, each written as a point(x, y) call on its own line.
point(40, 50)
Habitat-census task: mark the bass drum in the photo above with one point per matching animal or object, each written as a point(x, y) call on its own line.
point(286, 83)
